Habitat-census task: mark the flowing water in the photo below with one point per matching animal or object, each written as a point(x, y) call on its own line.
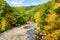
point(24, 32)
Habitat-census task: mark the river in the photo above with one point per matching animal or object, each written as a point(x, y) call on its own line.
point(23, 32)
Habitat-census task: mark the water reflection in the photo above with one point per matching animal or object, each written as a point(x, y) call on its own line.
point(31, 34)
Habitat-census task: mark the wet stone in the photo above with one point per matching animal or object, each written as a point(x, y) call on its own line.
point(24, 32)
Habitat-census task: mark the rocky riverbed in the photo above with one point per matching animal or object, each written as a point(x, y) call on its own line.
point(24, 32)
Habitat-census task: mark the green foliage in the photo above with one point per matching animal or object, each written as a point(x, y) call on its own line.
point(4, 24)
point(5, 9)
point(46, 16)
point(57, 10)
point(49, 20)
point(12, 16)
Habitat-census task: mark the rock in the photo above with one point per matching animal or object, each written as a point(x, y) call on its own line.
point(18, 33)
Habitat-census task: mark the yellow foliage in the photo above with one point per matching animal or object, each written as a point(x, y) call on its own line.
point(37, 16)
point(4, 24)
point(56, 6)
point(51, 17)
point(0, 23)
point(47, 38)
point(10, 18)
point(47, 27)
point(54, 33)
point(38, 28)
point(58, 1)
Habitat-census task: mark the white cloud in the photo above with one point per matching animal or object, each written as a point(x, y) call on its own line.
point(35, 3)
point(7, 0)
point(23, 2)
point(17, 2)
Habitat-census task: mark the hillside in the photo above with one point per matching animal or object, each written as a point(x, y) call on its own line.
point(46, 16)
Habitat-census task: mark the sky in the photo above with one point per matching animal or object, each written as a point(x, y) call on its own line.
point(25, 2)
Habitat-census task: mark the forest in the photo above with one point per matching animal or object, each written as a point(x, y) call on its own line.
point(46, 16)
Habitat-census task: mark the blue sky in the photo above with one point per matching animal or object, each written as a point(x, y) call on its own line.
point(25, 2)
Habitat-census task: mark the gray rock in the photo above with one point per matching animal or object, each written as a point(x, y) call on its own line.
point(19, 33)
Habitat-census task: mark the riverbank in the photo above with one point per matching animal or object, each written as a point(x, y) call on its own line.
point(20, 33)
